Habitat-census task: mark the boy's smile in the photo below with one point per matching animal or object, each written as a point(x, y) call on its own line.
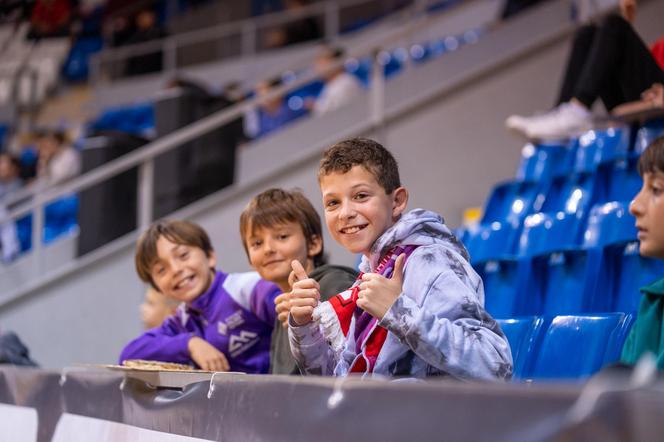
point(182, 272)
point(648, 208)
point(357, 209)
point(271, 250)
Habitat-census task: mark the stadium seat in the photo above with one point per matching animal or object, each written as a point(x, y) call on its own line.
point(621, 179)
point(575, 347)
point(512, 201)
point(647, 133)
point(492, 241)
point(610, 224)
point(573, 193)
point(540, 162)
point(523, 335)
point(550, 232)
point(598, 146)
point(504, 289)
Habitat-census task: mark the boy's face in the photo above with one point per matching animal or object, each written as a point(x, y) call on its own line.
point(648, 208)
point(357, 209)
point(182, 272)
point(271, 250)
point(155, 309)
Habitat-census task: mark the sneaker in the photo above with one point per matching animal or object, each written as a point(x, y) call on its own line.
point(565, 121)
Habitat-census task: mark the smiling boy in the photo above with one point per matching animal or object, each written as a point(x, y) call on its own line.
point(647, 334)
point(417, 308)
point(277, 227)
point(225, 320)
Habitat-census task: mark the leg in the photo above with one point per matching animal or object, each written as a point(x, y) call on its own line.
point(579, 54)
point(619, 67)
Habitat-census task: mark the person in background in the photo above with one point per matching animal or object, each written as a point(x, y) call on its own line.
point(296, 31)
point(9, 183)
point(647, 334)
point(608, 61)
point(146, 29)
point(155, 308)
point(340, 86)
point(10, 169)
point(271, 114)
point(58, 161)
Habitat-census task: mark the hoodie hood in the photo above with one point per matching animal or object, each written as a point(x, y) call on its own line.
point(418, 227)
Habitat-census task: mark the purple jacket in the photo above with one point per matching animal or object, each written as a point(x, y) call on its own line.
point(236, 315)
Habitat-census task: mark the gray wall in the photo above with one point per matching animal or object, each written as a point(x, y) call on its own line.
point(451, 152)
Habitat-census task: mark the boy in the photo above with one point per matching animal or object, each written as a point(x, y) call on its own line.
point(427, 320)
point(648, 209)
point(156, 308)
point(276, 227)
point(226, 319)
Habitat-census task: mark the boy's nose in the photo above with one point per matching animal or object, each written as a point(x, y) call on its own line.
point(346, 211)
point(636, 205)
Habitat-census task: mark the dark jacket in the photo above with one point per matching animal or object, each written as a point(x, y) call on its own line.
point(647, 334)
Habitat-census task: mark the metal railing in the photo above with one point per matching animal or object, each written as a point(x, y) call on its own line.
point(247, 30)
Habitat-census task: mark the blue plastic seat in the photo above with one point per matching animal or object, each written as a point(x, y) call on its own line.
point(621, 179)
point(545, 233)
point(575, 347)
point(647, 134)
point(608, 224)
point(523, 335)
point(542, 161)
point(598, 146)
point(573, 193)
point(512, 201)
point(492, 241)
point(504, 289)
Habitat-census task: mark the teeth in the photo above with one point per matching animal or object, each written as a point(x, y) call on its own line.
point(352, 229)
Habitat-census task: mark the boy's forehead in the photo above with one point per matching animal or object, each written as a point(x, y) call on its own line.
point(258, 229)
point(355, 176)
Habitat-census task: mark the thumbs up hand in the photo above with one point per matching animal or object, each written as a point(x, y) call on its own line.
point(305, 295)
point(377, 293)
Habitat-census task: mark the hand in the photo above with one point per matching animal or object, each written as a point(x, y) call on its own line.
point(654, 95)
point(206, 356)
point(377, 293)
point(304, 296)
point(282, 303)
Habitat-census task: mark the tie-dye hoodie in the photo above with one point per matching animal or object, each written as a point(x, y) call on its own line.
point(437, 326)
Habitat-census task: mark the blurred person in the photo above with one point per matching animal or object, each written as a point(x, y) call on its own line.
point(227, 319)
point(146, 29)
point(340, 86)
point(647, 333)
point(156, 307)
point(51, 18)
point(10, 169)
point(296, 31)
point(57, 161)
point(607, 61)
point(271, 114)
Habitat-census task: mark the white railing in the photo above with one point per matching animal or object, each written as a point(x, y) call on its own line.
point(247, 30)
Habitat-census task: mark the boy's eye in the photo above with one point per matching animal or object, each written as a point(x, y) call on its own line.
point(284, 236)
point(160, 270)
point(656, 190)
point(361, 195)
point(256, 243)
point(184, 255)
point(331, 203)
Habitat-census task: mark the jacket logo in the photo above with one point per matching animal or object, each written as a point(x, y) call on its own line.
point(240, 343)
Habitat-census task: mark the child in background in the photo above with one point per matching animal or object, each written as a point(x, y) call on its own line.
point(647, 334)
point(155, 308)
point(417, 307)
point(227, 319)
point(276, 227)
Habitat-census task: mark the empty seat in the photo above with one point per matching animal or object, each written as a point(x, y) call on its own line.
point(627, 272)
point(512, 201)
point(505, 294)
point(542, 161)
point(523, 335)
point(610, 223)
point(492, 241)
point(544, 233)
point(650, 130)
point(575, 347)
point(621, 179)
point(573, 193)
point(598, 146)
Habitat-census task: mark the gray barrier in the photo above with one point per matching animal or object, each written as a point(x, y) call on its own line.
point(281, 408)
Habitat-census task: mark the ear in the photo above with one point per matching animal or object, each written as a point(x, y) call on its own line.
point(400, 201)
point(212, 260)
point(315, 246)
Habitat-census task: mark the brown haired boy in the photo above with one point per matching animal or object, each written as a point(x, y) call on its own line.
point(647, 334)
point(277, 227)
point(417, 308)
point(226, 319)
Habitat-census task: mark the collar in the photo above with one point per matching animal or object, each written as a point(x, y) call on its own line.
point(202, 302)
point(656, 288)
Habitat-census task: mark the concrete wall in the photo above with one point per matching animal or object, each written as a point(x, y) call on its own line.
point(451, 150)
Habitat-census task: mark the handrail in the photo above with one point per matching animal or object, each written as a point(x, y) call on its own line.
point(246, 27)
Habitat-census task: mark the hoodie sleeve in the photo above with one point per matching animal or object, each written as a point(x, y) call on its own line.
point(310, 349)
point(440, 316)
point(167, 343)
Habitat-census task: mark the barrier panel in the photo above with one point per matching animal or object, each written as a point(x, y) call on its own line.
point(103, 406)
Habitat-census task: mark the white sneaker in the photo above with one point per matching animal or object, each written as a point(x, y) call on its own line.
point(565, 121)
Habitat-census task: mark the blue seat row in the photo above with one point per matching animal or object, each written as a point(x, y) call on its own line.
point(541, 346)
